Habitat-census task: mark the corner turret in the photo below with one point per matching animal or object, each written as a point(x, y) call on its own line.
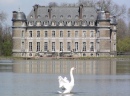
point(18, 16)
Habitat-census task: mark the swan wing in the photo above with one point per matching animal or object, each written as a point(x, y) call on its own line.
point(63, 82)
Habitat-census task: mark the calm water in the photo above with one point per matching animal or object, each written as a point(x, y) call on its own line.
point(39, 77)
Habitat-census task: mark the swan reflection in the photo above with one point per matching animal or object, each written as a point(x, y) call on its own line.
point(70, 94)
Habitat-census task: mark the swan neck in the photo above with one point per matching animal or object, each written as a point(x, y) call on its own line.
point(71, 76)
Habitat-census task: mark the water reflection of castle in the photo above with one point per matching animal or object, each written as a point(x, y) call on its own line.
point(63, 66)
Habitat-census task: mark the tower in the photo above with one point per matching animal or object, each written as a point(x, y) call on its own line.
point(18, 33)
point(103, 34)
point(113, 23)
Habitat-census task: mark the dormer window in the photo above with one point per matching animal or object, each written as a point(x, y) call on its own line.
point(69, 16)
point(38, 23)
point(76, 17)
point(46, 16)
point(84, 16)
point(38, 16)
point(84, 23)
point(91, 23)
point(53, 16)
point(69, 23)
point(61, 23)
point(46, 23)
point(61, 16)
point(53, 23)
point(76, 23)
point(31, 23)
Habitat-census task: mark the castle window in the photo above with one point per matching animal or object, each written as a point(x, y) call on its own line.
point(22, 33)
point(38, 46)
point(84, 46)
point(30, 46)
point(45, 46)
point(76, 33)
point(76, 46)
point(61, 46)
point(91, 46)
point(53, 46)
point(53, 33)
point(68, 33)
point(61, 33)
point(84, 34)
point(30, 33)
point(98, 34)
point(38, 33)
point(23, 45)
point(68, 46)
point(46, 34)
point(91, 33)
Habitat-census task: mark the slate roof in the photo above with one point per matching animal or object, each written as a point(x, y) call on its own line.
point(62, 14)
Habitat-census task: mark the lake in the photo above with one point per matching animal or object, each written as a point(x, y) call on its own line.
point(40, 77)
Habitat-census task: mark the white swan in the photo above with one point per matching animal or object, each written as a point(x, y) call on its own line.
point(64, 84)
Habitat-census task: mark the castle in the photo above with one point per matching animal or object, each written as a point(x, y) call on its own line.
point(72, 31)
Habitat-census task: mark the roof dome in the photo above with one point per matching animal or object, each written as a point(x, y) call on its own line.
point(20, 16)
point(113, 20)
point(101, 15)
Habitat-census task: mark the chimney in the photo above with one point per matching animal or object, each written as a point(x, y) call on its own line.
point(49, 11)
point(35, 10)
point(14, 15)
point(107, 15)
point(80, 11)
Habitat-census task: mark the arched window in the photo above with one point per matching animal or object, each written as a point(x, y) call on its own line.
point(84, 16)
point(38, 16)
point(61, 17)
point(69, 16)
point(46, 16)
point(53, 16)
point(76, 17)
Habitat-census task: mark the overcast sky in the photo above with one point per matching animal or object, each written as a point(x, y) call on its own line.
point(26, 5)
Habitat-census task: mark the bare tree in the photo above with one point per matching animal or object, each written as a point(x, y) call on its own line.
point(128, 13)
point(67, 4)
point(87, 2)
point(53, 4)
point(106, 5)
point(3, 17)
point(122, 29)
point(112, 7)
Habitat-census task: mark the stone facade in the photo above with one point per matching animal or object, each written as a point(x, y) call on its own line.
point(64, 31)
